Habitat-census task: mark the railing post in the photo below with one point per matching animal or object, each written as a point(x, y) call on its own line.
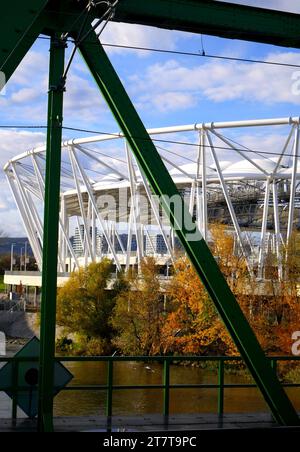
point(166, 383)
point(274, 367)
point(110, 380)
point(15, 384)
point(221, 388)
point(274, 364)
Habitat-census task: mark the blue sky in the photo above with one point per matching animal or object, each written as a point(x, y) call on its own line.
point(166, 89)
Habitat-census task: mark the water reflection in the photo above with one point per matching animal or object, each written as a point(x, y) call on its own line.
point(150, 401)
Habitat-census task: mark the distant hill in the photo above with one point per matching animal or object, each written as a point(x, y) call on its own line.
point(6, 242)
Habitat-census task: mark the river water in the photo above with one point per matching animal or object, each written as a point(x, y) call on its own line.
point(143, 401)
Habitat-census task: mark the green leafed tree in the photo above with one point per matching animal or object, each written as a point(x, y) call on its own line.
point(138, 314)
point(84, 304)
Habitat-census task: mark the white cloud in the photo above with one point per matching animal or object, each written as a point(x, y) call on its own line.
point(167, 101)
point(217, 81)
point(32, 70)
point(25, 95)
point(12, 143)
point(139, 36)
point(10, 221)
point(82, 99)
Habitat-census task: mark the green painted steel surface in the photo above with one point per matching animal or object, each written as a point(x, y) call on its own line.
point(21, 23)
point(166, 382)
point(50, 238)
point(214, 18)
point(194, 245)
point(197, 16)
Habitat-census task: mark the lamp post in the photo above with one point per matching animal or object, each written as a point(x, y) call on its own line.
point(12, 257)
point(21, 258)
point(25, 256)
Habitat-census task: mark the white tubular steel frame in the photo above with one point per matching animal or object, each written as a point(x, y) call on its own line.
point(216, 165)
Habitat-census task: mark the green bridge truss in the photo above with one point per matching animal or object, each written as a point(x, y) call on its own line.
point(21, 24)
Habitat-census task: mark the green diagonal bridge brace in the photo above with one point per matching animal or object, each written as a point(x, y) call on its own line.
point(21, 23)
point(194, 245)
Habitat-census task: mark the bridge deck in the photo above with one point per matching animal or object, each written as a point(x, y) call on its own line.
point(152, 423)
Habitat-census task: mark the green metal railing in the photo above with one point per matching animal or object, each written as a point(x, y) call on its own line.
point(165, 386)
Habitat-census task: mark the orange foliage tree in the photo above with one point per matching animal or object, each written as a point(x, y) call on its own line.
point(192, 325)
point(272, 305)
point(278, 315)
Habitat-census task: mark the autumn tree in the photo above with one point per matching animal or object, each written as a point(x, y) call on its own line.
point(229, 256)
point(138, 315)
point(272, 304)
point(192, 325)
point(278, 314)
point(84, 303)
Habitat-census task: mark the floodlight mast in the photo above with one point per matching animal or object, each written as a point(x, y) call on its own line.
point(198, 16)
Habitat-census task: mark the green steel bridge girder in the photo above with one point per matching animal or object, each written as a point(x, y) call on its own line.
point(201, 16)
point(215, 18)
point(21, 23)
point(33, 17)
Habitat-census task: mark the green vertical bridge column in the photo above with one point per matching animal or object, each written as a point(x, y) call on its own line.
point(50, 239)
point(193, 243)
